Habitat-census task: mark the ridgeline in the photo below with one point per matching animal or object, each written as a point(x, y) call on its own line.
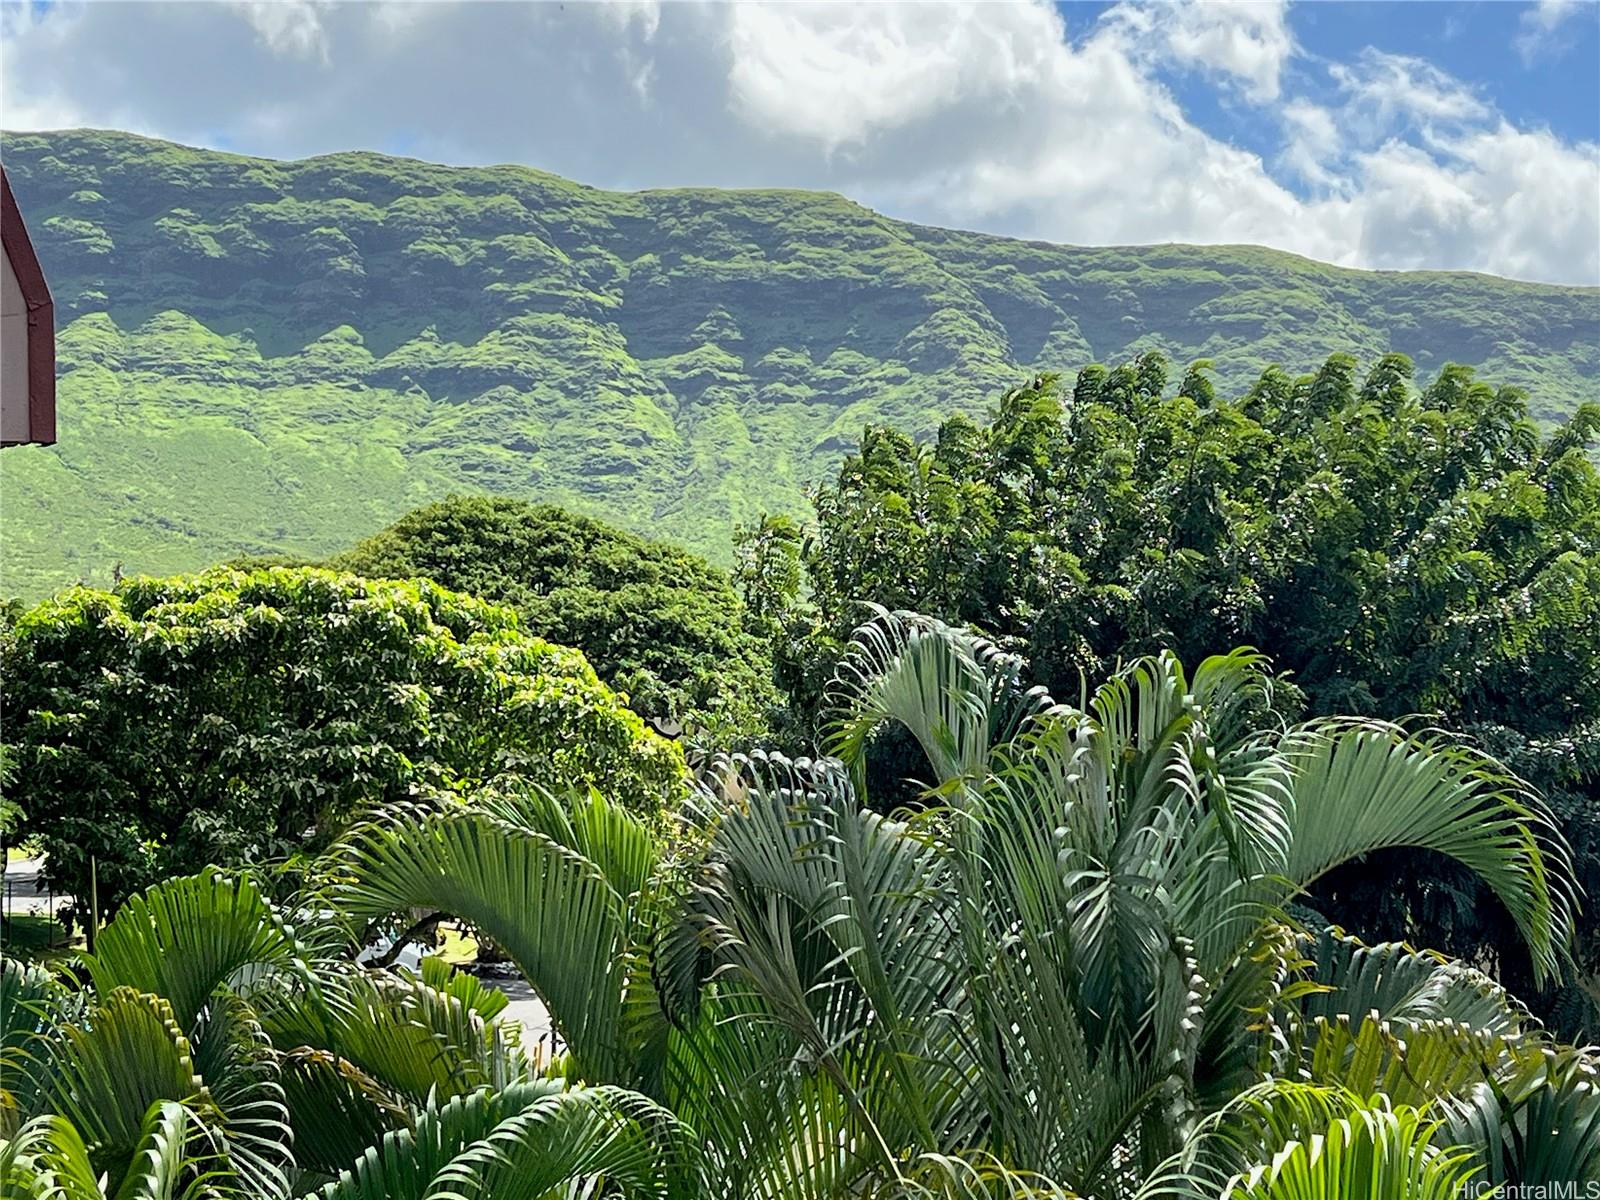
point(262, 357)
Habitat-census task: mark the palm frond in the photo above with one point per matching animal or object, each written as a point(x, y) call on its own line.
point(1361, 786)
point(1537, 1123)
point(527, 1141)
point(1402, 985)
point(410, 1039)
point(185, 937)
point(956, 693)
point(553, 909)
point(1285, 1140)
point(49, 1160)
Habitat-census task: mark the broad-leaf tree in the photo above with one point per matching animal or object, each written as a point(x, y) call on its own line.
point(234, 716)
point(657, 623)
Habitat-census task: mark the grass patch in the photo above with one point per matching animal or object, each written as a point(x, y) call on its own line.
point(33, 937)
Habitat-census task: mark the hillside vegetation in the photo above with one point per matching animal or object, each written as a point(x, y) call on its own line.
point(262, 357)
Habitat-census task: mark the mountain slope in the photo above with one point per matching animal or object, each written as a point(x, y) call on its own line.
point(263, 356)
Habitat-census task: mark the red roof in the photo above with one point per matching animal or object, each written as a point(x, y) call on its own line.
point(41, 320)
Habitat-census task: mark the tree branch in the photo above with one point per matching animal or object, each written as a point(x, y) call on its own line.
point(387, 958)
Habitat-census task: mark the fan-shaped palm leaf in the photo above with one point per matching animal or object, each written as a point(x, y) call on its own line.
point(104, 1075)
point(48, 1160)
point(488, 1002)
point(409, 1039)
point(1537, 1123)
point(549, 906)
point(336, 1110)
point(1285, 1140)
point(957, 705)
point(1403, 985)
point(185, 937)
point(1374, 1154)
point(234, 1057)
point(32, 1003)
point(526, 1142)
point(1365, 786)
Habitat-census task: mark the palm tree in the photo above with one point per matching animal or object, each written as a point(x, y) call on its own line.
point(1078, 970)
point(1078, 953)
point(219, 1054)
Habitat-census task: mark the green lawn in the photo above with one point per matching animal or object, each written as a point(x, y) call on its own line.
point(35, 938)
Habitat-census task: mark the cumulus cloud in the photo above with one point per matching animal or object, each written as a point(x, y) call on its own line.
point(1515, 199)
point(1006, 117)
point(835, 75)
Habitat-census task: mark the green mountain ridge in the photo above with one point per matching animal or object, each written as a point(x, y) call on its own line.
point(281, 357)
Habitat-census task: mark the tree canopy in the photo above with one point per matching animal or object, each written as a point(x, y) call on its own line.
point(234, 716)
point(1395, 551)
point(657, 623)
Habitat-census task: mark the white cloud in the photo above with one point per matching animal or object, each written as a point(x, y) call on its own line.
point(836, 74)
point(287, 26)
point(986, 115)
point(645, 14)
point(1246, 39)
point(1519, 201)
point(49, 99)
point(1539, 23)
point(1313, 142)
point(1392, 89)
point(980, 115)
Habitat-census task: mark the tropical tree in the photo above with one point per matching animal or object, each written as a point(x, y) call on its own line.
point(1077, 970)
point(235, 717)
point(1396, 550)
point(219, 1054)
point(659, 624)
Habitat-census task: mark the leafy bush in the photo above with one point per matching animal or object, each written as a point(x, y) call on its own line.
point(657, 623)
point(234, 716)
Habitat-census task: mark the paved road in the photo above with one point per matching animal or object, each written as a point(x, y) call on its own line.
point(526, 1009)
point(21, 893)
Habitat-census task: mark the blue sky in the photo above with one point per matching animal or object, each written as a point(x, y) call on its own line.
point(1383, 134)
point(1553, 81)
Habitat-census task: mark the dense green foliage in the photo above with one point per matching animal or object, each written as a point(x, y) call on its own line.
point(1395, 551)
point(1076, 975)
point(263, 357)
point(657, 623)
point(233, 717)
point(1100, 956)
